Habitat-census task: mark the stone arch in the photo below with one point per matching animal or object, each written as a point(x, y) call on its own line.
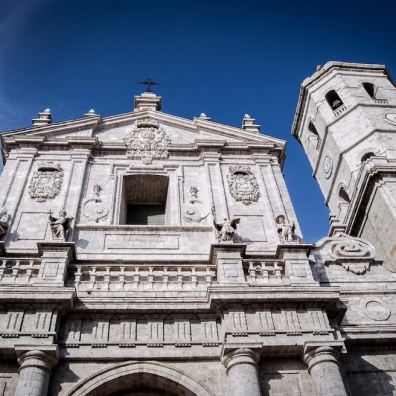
point(120, 377)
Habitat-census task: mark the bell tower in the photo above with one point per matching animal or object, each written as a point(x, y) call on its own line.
point(346, 122)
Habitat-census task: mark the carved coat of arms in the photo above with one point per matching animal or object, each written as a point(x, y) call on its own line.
point(46, 182)
point(146, 141)
point(243, 184)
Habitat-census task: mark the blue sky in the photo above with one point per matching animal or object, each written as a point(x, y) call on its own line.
point(224, 58)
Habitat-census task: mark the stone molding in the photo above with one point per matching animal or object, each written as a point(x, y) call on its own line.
point(134, 368)
point(240, 356)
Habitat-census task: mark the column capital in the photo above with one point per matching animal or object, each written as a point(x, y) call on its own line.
point(320, 353)
point(42, 358)
point(240, 356)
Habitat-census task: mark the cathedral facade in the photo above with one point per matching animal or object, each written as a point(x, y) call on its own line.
point(148, 254)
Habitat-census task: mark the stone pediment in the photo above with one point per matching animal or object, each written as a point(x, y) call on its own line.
point(114, 130)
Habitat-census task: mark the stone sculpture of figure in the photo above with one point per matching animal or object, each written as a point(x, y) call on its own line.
point(3, 221)
point(59, 225)
point(225, 231)
point(285, 229)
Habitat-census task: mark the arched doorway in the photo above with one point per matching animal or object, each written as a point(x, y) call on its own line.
point(139, 379)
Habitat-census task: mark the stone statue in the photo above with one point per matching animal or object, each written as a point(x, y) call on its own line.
point(225, 231)
point(285, 229)
point(59, 225)
point(3, 221)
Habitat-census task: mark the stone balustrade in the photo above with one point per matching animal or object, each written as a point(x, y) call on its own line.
point(132, 277)
point(19, 271)
point(260, 272)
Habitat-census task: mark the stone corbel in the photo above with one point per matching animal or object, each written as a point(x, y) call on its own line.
point(55, 257)
point(228, 261)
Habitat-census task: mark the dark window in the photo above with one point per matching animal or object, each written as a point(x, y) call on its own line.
point(145, 214)
point(144, 200)
point(344, 197)
point(333, 100)
point(314, 132)
point(370, 89)
point(367, 156)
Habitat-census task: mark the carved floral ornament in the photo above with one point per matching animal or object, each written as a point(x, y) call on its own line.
point(147, 141)
point(243, 184)
point(46, 181)
point(353, 254)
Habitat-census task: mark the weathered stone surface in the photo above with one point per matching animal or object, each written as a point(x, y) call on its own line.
point(209, 289)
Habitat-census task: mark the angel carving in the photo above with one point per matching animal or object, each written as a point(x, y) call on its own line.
point(285, 229)
point(225, 231)
point(59, 225)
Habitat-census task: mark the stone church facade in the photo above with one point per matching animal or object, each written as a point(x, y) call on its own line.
point(147, 254)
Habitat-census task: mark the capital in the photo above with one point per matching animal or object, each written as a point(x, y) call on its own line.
point(320, 354)
point(37, 358)
point(240, 356)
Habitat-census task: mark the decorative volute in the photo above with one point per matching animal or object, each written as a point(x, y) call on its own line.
point(147, 101)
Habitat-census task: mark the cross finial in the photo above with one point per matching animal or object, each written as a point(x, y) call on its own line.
point(149, 82)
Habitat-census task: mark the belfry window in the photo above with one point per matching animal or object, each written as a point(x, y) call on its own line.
point(366, 156)
point(370, 89)
point(333, 100)
point(144, 200)
point(315, 135)
point(343, 195)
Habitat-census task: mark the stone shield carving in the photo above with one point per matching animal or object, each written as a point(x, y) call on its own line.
point(146, 141)
point(46, 182)
point(243, 184)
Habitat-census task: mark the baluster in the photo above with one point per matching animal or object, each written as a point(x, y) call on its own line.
point(2, 267)
point(179, 276)
point(278, 271)
point(165, 278)
point(93, 277)
point(121, 277)
point(77, 277)
point(15, 271)
point(208, 276)
point(264, 272)
point(252, 271)
point(29, 271)
point(136, 277)
point(150, 277)
point(194, 280)
point(106, 279)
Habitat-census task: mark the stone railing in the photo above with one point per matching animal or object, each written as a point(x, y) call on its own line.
point(381, 101)
point(18, 270)
point(140, 277)
point(261, 272)
point(339, 110)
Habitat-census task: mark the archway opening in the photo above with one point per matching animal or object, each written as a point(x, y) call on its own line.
point(141, 384)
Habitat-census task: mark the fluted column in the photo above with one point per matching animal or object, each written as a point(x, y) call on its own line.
point(322, 362)
point(241, 366)
point(34, 373)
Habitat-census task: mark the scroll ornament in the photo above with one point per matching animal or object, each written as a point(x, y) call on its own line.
point(354, 254)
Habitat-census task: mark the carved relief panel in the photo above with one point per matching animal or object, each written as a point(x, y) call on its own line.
point(46, 182)
point(243, 184)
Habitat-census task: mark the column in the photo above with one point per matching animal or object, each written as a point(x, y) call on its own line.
point(322, 362)
point(34, 373)
point(241, 366)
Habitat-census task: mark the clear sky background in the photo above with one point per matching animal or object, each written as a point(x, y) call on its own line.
point(224, 58)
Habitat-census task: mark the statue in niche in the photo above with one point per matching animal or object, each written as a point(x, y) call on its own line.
point(225, 231)
point(59, 225)
point(3, 221)
point(285, 229)
point(195, 211)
